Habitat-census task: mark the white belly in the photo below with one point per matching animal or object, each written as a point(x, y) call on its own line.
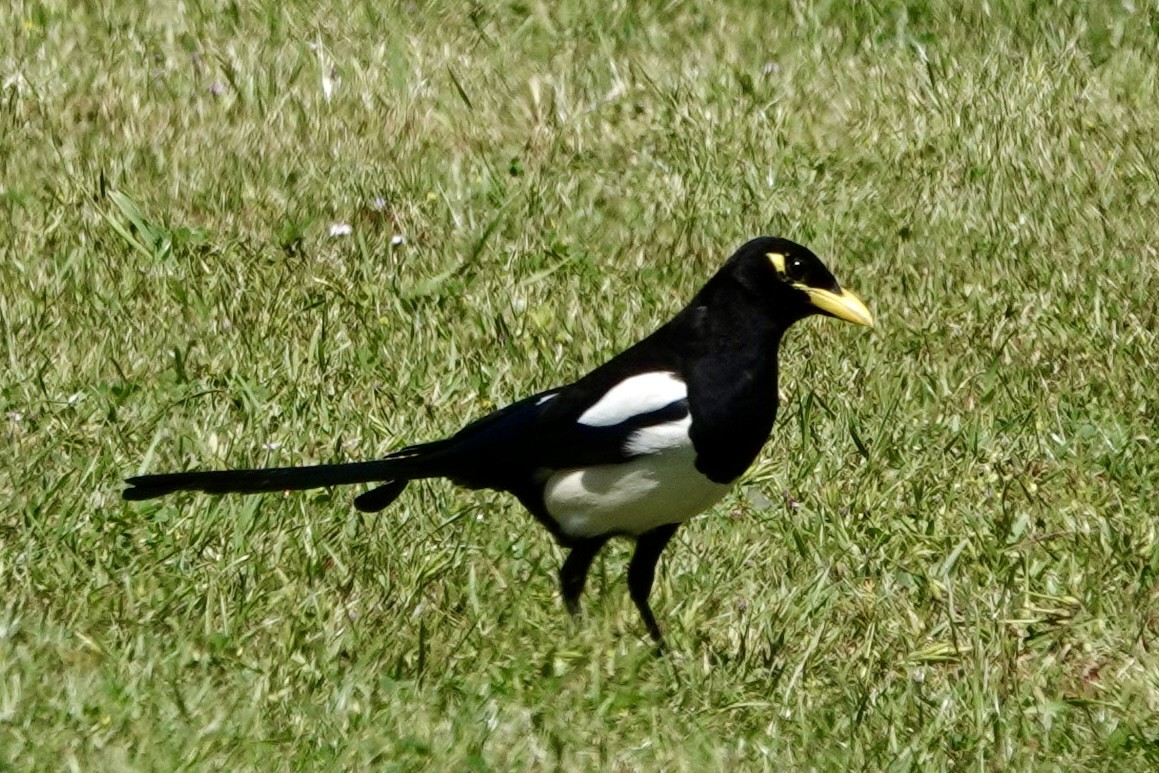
point(662, 486)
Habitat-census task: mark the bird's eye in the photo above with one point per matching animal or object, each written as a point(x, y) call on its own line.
point(795, 268)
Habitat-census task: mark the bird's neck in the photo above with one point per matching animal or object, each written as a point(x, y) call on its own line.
point(746, 326)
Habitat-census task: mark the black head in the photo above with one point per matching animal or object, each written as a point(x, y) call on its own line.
point(794, 281)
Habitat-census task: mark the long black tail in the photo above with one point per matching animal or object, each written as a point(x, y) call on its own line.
point(394, 471)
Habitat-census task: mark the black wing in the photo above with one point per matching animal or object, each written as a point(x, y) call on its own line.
point(505, 449)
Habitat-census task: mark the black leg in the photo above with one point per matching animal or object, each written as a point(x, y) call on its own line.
point(642, 570)
point(574, 572)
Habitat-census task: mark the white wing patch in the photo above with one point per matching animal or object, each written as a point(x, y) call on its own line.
point(670, 436)
point(634, 396)
point(660, 486)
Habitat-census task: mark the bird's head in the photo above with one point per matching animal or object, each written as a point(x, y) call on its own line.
point(796, 281)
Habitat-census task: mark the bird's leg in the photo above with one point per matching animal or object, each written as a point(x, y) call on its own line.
point(574, 572)
point(642, 571)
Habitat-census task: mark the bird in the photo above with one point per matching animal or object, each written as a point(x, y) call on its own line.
point(651, 438)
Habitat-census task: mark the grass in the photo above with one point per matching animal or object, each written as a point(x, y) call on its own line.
point(946, 558)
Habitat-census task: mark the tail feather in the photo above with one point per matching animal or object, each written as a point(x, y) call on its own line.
point(398, 468)
point(381, 497)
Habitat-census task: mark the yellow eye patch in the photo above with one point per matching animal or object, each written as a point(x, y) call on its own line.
point(778, 261)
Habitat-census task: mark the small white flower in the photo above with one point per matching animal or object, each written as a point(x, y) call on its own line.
point(341, 229)
point(273, 445)
point(397, 239)
point(378, 203)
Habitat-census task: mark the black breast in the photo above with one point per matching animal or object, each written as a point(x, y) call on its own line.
point(733, 410)
point(732, 387)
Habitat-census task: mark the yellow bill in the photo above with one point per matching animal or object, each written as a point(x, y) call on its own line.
point(841, 304)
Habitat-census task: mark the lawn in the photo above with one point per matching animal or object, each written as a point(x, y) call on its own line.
point(238, 234)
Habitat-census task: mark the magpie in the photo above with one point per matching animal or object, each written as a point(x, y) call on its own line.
point(641, 444)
